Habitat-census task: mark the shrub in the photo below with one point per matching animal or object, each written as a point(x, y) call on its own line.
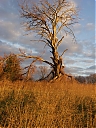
point(11, 68)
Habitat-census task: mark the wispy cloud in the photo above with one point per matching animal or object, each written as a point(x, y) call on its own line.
point(90, 26)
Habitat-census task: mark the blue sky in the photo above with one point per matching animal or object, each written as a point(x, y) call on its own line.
point(80, 57)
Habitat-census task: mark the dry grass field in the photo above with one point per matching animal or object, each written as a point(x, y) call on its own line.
point(47, 105)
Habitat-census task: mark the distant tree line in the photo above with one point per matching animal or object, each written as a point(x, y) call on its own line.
point(87, 79)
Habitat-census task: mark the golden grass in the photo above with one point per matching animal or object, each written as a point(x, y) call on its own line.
point(47, 105)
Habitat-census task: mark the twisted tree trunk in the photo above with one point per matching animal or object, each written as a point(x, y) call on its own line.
point(57, 63)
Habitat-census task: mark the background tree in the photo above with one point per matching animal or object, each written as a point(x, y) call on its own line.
point(91, 78)
point(1, 66)
point(11, 67)
point(81, 79)
point(29, 71)
point(87, 79)
point(42, 71)
point(48, 19)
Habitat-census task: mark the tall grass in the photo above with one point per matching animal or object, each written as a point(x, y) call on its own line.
point(47, 105)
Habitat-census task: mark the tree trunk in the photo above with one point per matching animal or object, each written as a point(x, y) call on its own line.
point(57, 63)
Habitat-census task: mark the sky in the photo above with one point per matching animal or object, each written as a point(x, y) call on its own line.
point(80, 57)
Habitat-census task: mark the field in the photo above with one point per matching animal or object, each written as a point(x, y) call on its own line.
point(47, 105)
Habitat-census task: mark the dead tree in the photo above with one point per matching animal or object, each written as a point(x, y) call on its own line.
point(42, 71)
point(48, 19)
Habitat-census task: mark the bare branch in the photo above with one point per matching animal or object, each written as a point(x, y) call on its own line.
point(60, 41)
point(37, 58)
point(71, 32)
point(63, 52)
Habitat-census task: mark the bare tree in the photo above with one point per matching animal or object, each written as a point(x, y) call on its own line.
point(48, 19)
point(42, 71)
point(30, 70)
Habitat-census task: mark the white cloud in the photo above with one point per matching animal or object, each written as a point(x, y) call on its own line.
point(73, 2)
point(9, 30)
point(77, 28)
point(7, 49)
point(90, 26)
